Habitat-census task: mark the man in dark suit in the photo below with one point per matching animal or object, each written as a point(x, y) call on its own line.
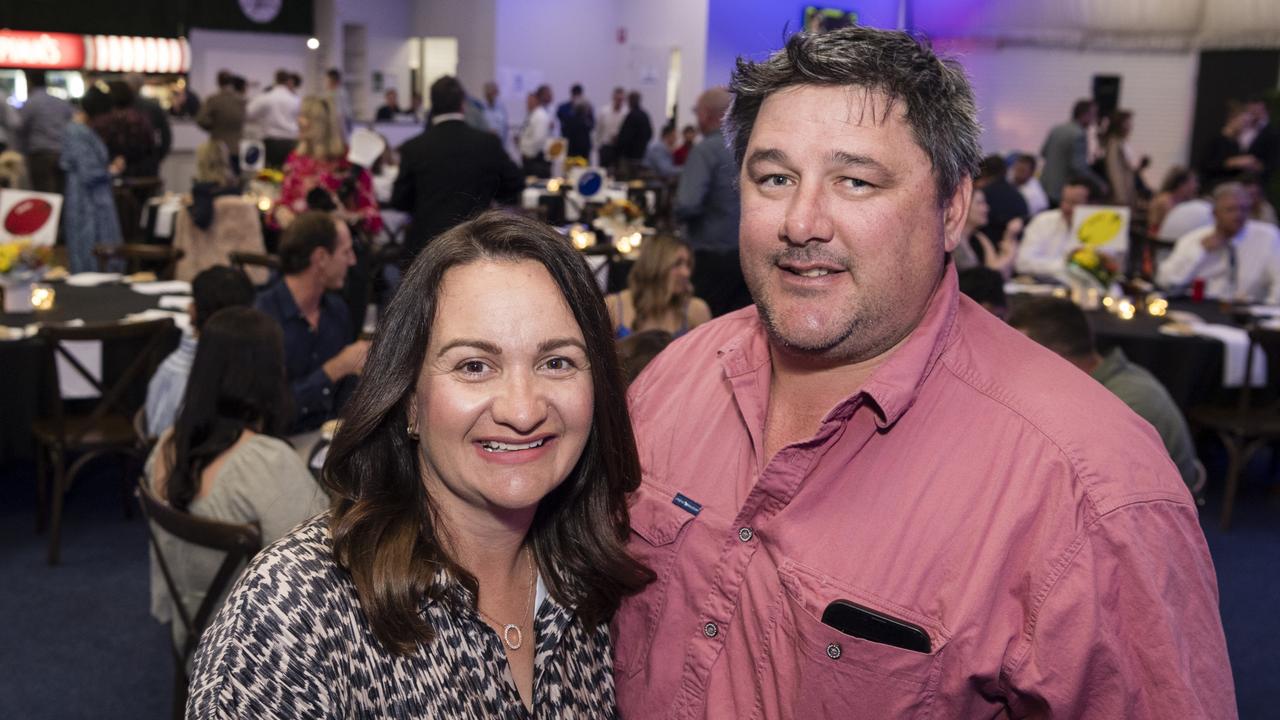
point(633, 137)
point(450, 172)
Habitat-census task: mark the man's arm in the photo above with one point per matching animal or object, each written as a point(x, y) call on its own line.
point(510, 179)
point(1130, 627)
point(1182, 265)
point(403, 190)
point(1080, 163)
point(1041, 252)
point(695, 183)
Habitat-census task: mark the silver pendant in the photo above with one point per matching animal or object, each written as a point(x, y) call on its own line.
point(506, 636)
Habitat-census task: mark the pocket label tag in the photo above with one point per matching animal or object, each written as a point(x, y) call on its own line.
point(686, 504)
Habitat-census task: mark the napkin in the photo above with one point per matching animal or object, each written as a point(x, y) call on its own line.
point(175, 302)
point(1235, 348)
point(162, 287)
point(180, 319)
point(92, 279)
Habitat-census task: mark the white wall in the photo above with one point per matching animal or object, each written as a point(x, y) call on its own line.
point(559, 42)
point(474, 24)
point(661, 25)
point(256, 56)
point(1023, 91)
point(387, 26)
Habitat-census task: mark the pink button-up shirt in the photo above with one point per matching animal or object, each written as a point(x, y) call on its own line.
point(976, 486)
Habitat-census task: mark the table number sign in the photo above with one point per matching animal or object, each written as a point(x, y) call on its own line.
point(33, 215)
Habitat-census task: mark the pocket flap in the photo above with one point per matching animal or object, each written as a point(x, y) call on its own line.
point(655, 516)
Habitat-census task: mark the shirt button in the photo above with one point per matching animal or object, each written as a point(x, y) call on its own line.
point(710, 630)
point(833, 651)
point(745, 534)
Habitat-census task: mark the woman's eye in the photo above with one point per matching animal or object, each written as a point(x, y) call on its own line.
point(560, 364)
point(473, 367)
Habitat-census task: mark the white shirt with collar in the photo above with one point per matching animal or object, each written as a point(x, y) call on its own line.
point(1185, 217)
point(1045, 244)
point(536, 132)
point(1033, 192)
point(1255, 276)
point(610, 122)
point(275, 112)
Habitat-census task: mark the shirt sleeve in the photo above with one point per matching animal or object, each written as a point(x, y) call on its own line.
point(1129, 626)
point(1180, 268)
point(260, 657)
point(291, 496)
point(695, 183)
point(313, 394)
point(1040, 253)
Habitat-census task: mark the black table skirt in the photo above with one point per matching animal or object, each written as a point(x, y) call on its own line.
point(26, 378)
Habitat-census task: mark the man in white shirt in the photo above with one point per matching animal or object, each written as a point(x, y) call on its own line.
point(1238, 259)
point(275, 113)
point(495, 113)
point(536, 131)
point(608, 124)
point(1048, 241)
point(1022, 175)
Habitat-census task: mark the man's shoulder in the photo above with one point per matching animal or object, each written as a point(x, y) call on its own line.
point(1110, 451)
point(1264, 231)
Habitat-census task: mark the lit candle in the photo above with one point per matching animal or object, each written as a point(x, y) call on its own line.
point(42, 297)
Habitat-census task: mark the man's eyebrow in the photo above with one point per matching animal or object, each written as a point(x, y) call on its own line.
point(484, 345)
point(773, 155)
point(556, 343)
point(840, 157)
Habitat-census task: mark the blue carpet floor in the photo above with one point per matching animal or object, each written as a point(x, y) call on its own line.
point(77, 641)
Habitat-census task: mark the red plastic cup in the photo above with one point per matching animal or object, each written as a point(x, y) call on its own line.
point(1197, 290)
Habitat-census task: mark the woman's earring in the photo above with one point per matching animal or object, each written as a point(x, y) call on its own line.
point(413, 435)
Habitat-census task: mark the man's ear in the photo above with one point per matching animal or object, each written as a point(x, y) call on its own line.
point(318, 255)
point(955, 212)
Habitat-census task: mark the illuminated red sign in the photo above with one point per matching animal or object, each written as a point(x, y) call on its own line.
point(53, 51)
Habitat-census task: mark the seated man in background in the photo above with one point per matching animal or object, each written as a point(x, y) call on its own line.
point(213, 289)
point(320, 359)
point(1004, 202)
point(1022, 175)
point(1047, 241)
point(659, 157)
point(1059, 325)
point(1237, 258)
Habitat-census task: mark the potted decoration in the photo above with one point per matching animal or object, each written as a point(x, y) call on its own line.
point(22, 263)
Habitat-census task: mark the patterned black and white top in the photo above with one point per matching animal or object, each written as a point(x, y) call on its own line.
point(292, 642)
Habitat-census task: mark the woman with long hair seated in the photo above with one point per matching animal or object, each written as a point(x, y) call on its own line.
point(220, 461)
point(659, 294)
point(476, 547)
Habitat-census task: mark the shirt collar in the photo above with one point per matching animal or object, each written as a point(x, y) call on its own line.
point(894, 385)
point(1111, 365)
point(446, 117)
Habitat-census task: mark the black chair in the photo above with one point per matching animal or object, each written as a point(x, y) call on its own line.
point(108, 426)
point(160, 259)
point(242, 260)
point(1252, 423)
point(238, 542)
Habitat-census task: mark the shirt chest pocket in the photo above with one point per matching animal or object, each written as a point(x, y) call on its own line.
point(658, 527)
point(815, 670)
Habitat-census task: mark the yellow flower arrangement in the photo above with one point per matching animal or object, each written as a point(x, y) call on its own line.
point(626, 208)
point(21, 256)
point(575, 161)
point(1097, 265)
point(275, 177)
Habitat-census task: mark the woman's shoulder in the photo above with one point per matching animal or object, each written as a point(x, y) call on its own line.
point(295, 574)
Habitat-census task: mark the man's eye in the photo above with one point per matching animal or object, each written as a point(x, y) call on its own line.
point(855, 183)
point(775, 181)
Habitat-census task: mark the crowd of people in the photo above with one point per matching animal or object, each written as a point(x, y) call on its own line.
point(827, 440)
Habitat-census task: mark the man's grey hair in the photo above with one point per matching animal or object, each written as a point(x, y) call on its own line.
point(939, 101)
point(1228, 191)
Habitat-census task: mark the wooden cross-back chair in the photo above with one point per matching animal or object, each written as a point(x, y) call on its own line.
point(107, 428)
point(239, 543)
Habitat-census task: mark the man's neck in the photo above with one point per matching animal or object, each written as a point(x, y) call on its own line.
point(306, 293)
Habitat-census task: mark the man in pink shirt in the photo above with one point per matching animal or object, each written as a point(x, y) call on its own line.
point(866, 497)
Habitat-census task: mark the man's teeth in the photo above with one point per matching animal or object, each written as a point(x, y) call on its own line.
point(493, 446)
point(816, 272)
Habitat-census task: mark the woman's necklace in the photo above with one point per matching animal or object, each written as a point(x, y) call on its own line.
point(511, 628)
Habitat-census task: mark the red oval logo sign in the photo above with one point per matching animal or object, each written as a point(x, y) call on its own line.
point(27, 217)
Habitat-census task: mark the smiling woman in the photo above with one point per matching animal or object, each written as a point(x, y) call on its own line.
point(477, 538)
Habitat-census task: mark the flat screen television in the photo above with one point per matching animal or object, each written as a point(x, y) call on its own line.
point(822, 19)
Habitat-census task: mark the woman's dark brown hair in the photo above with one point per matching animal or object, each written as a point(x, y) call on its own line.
point(386, 530)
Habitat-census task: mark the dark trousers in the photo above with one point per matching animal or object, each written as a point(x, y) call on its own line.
point(717, 278)
point(43, 169)
point(275, 150)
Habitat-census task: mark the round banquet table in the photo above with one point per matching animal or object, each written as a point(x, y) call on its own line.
point(1190, 367)
point(26, 375)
